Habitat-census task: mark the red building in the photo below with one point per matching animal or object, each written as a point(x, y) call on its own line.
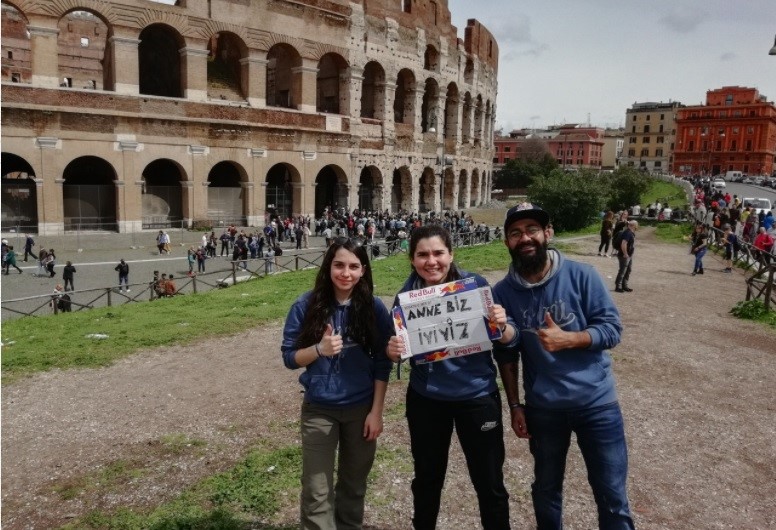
point(578, 147)
point(506, 148)
point(734, 130)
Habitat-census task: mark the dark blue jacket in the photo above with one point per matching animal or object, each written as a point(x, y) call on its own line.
point(348, 378)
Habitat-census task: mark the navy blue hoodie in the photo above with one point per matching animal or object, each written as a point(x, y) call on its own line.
point(345, 379)
point(577, 299)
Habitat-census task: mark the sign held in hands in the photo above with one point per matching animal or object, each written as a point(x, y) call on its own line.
point(445, 321)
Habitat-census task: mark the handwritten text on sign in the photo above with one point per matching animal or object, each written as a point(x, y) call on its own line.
point(445, 321)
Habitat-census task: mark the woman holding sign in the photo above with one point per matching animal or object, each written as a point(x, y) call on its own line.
point(455, 393)
point(338, 332)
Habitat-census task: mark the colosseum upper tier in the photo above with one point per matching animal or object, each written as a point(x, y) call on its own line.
point(139, 114)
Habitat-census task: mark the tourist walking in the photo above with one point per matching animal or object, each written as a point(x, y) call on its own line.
point(123, 270)
point(10, 260)
point(67, 275)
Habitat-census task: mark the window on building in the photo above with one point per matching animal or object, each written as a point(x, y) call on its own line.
point(734, 145)
point(645, 140)
point(723, 114)
point(434, 11)
point(662, 116)
point(736, 130)
point(719, 145)
point(750, 130)
point(631, 152)
point(646, 129)
point(661, 128)
point(406, 6)
point(507, 149)
point(84, 42)
point(632, 140)
point(749, 145)
point(694, 115)
point(705, 146)
point(658, 152)
point(10, 54)
point(729, 99)
point(506, 159)
point(736, 113)
point(634, 129)
point(660, 139)
point(645, 152)
point(658, 163)
point(691, 146)
point(635, 118)
point(16, 77)
point(67, 82)
point(495, 160)
point(752, 113)
point(648, 116)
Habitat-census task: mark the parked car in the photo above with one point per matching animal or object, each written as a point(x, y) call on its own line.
point(718, 184)
point(758, 180)
point(758, 203)
point(747, 180)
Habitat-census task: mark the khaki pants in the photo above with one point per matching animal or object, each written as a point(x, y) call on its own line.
point(324, 505)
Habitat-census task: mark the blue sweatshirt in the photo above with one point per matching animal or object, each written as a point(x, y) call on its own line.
point(345, 379)
point(577, 299)
point(455, 379)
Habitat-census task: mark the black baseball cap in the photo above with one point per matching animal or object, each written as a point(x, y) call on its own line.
point(526, 210)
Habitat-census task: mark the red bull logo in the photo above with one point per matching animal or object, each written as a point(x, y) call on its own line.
point(452, 288)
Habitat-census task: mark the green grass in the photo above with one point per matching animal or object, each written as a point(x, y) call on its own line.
point(664, 192)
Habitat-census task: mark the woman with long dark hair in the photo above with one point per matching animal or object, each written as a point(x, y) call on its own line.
point(458, 393)
point(338, 332)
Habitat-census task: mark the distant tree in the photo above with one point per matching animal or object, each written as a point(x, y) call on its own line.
point(573, 199)
point(521, 172)
point(626, 186)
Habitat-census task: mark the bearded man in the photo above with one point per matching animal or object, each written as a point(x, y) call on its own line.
point(565, 321)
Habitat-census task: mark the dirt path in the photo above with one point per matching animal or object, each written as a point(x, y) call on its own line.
point(696, 387)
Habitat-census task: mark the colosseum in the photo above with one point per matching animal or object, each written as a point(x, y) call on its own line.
point(139, 114)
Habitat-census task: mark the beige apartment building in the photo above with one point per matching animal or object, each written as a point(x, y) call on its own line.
point(650, 132)
point(135, 114)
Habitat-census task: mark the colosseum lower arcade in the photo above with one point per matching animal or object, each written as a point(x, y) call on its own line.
point(140, 114)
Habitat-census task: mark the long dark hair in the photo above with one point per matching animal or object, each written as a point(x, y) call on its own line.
point(361, 312)
point(434, 230)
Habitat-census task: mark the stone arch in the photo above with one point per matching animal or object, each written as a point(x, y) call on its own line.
point(83, 56)
point(331, 189)
point(478, 115)
point(331, 84)
point(452, 102)
point(373, 91)
point(162, 194)
point(463, 185)
point(227, 75)
point(466, 129)
point(401, 190)
point(89, 194)
point(19, 195)
point(370, 189)
point(431, 59)
point(426, 190)
point(404, 102)
point(226, 196)
point(468, 71)
point(159, 61)
point(430, 109)
point(281, 195)
point(475, 187)
point(284, 84)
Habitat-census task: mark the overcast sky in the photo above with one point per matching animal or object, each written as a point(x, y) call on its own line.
point(562, 60)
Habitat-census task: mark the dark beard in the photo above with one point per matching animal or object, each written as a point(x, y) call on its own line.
point(527, 265)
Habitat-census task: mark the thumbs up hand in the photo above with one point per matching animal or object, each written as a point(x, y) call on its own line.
point(552, 337)
point(330, 344)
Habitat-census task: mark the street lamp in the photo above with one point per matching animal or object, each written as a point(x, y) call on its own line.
point(773, 50)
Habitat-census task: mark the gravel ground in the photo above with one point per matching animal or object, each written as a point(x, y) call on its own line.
point(695, 384)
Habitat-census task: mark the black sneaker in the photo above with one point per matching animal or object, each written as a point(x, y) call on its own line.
point(618, 290)
point(627, 289)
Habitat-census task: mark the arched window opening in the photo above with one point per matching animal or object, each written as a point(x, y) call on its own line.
point(160, 62)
